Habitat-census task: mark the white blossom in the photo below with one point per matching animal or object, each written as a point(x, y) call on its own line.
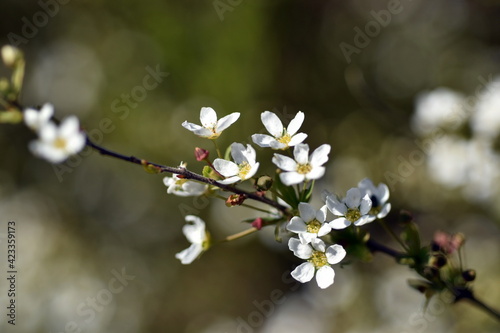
point(310, 224)
point(183, 187)
point(303, 167)
point(211, 128)
point(35, 119)
point(378, 196)
point(280, 137)
point(56, 144)
point(243, 167)
point(199, 238)
point(353, 209)
point(319, 258)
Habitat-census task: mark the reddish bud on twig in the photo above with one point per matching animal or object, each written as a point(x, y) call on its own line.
point(258, 223)
point(201, 154)
point(235, 200)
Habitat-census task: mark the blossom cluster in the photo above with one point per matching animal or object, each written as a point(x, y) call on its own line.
point(297, 171)
point(308, 226)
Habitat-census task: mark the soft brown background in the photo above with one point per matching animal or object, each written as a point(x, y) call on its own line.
point(103, 215)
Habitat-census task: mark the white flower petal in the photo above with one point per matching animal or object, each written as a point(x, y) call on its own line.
point(190, 126)
point(284, 162)
point(384, 211)
point(304, 272)
point(272, 123)
point(296, 225)
point(318, 245)
point(365, 205)
point(188, 255)
point(301, 153)
point(321, 214)
point(263, 140)
point(226, 168)
point(307, 212)
point(363, 220)
point(277, 145)
point(335, 254)
point(227, 121)
point(295, 124)
point(383, 193)
point(307, 237)
point(325, 277)
point(324, 230)
point(339, 223)
point(291, 178)
point(316, 173)
point(204, 133)
point(296, 139)
point(194, 232)
point(335, 206)
point(208, 117)
point(69, 127)
point(230, 180)
point(300, 250)
point(320, 155)
point(353, 198)
point(237, 152)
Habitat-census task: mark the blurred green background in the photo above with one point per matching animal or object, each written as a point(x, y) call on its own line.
point(80, 224)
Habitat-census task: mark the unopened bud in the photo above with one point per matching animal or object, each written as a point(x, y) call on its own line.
point(469, 275)
point(201, 154)
point(235, 200)
point(10, 55)
point(263, 183)
point(258, 223)
point(438, 261)
point(420, 285)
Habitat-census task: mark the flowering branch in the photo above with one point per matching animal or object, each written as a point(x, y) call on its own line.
point(185, 173)
point(314, 236)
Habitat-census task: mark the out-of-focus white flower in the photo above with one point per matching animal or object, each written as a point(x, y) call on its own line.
point(310, 224)
point(211, 127)
point(303, 167)
point(280, 137)
point(441, 108)
point(319, 258)
point(56, 144)
point(486, 118)
point(183, 187)
point(353, 209)
point(378, 195)
point(35, 119)
point(446, 162)
point(198, 237)
point(243, 167)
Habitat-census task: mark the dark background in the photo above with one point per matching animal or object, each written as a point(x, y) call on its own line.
point(81, 222)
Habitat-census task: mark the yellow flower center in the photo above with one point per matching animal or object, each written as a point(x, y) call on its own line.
point(304, 168)
point(215, 135)
point(353, 214)
point(244, 169)
point(285, 139)
point(313, 226)
point(60, 143)
point(318, 259)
